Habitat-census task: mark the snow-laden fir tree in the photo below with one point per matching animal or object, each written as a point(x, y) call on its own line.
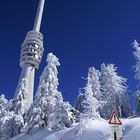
point(10, 122)
point(19, 104)
point(136, 54)
point(137, 94)
point(10, 125)
point(113, 88)
point(3, 105)
point(93, 82)
point(88, 99)
point(70, 114)
point(48, 109)
point(12, 119)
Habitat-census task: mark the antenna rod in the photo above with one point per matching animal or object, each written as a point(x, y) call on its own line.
point(39, 14)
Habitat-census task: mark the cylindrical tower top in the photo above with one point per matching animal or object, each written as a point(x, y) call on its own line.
point(39, 14)
point(32, 50)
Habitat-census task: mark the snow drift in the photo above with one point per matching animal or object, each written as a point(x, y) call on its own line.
point(91, 130)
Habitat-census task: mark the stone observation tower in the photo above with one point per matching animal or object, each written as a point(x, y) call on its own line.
point(31, 54)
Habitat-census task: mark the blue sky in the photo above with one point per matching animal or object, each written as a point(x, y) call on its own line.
point(81, 33)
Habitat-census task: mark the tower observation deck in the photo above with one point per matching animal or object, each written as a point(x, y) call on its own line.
point(31, 54)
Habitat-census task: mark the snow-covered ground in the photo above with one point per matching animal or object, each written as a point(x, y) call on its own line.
point(132, 129)
point(93, 130)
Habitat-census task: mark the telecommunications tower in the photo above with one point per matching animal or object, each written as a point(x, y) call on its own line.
point(31, 54)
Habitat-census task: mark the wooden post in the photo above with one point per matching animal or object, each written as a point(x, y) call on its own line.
point(115, 136)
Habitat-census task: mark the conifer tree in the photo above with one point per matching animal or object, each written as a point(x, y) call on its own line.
point(113, 88)
point(10, 122)
point(48, 109)
point(19, 104)
point(3, 105)
point(136, 54)
point(88, 99)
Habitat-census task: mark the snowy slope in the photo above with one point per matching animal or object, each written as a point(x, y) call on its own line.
point(132, 129)
point(94, 130)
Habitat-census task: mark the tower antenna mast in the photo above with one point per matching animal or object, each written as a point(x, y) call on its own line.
point(39, 14)
point(31, 55)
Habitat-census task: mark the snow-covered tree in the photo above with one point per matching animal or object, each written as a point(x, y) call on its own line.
point(12, 118)
point(19, 104)
point(136, 54)
point(10, 122)
point(88, 99)
point(48, 108)
point(93, 82)
point(10, 125)
point(48, 79)
point(137, 94)
point(3, 105)
point(113, 88)
point(69, 114)
point(88, 102)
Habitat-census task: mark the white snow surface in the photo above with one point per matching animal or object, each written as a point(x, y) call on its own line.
point(93, 130)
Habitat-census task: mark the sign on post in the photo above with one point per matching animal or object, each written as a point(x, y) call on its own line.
point(114, 119)
point(116, 126)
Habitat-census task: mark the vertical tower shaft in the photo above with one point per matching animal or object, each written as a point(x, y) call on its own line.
point(31, 55)
point(39, 14)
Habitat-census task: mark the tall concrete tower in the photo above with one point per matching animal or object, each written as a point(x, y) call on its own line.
point(31, 54)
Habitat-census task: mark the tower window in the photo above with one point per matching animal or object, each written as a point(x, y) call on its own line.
point(36, 46)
